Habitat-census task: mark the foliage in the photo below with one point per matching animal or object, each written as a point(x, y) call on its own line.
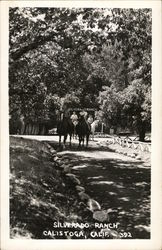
point(110, 105)
point(134, 94)
point(70, 55)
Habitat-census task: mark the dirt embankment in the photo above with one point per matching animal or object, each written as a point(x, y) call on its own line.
point(39, 193)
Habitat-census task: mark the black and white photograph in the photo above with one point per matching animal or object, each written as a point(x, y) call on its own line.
point(80, 123)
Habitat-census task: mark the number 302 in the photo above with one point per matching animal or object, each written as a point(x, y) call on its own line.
point(126, 235)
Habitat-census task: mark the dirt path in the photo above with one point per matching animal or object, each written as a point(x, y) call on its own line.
point(117, 182)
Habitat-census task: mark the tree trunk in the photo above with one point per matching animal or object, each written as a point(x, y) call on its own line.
point(142, 131)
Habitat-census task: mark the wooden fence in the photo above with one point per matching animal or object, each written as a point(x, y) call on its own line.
point(130, 143)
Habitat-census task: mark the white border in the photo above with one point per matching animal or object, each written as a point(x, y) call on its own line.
point(155, 243)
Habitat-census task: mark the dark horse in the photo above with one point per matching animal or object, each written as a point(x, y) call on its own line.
point(65, 127)
point(83, 130)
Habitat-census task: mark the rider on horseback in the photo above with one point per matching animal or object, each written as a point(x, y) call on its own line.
point(74, 118)
point(90, 119)
point(83, 116)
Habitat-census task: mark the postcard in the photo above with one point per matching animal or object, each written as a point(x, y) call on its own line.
point(81, 125)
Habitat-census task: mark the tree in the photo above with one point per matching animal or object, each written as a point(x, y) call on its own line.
point(110, 105)
point(135, 89)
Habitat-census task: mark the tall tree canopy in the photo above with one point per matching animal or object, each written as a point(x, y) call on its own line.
point(86, 57)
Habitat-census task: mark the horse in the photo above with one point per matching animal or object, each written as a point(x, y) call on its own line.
point(83, 130)
point(93, 127)
point(65, 127)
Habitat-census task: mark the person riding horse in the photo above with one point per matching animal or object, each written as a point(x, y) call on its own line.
point(90, 119)
point(74, 119)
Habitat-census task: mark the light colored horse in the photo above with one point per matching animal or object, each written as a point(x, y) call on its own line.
point(93, 128)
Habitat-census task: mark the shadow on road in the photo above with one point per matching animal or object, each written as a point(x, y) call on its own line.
point(123, 185)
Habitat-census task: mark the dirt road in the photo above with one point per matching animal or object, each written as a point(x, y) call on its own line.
point(116, 182)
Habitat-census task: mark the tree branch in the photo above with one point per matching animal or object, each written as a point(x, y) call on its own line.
point(37, 42)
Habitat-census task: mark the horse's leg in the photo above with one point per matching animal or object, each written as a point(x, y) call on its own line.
point(75, 136)
point(79, 141)
point(93, 133)
point(87, 140)
point(59, 140)
point(65, 137)
point(83, 141)
point(91, 136)
point(70, 138)
point(74, 132)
